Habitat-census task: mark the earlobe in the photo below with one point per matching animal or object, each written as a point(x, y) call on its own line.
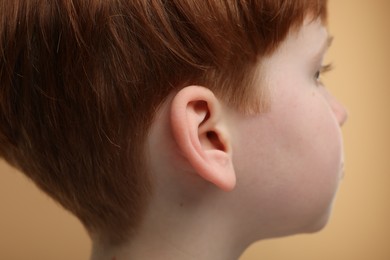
point(201, 133)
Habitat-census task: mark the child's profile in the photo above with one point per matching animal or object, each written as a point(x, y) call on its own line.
point(176, 129)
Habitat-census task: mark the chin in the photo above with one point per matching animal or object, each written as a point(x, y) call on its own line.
point(311, 227)
point(319, 223)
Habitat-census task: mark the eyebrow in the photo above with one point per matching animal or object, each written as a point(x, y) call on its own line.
point(328, 43)
point(321, 52)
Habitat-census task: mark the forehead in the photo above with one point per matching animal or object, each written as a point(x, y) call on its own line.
point(309, 42)
point(311, 39)
point(301, 49)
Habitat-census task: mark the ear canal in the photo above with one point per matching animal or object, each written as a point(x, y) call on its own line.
point(214, 140)
point(211, 140)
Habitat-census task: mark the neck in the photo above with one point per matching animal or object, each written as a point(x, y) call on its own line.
point(181, 233)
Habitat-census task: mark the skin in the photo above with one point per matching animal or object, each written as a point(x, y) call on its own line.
point(299, 139)
point(224, 180)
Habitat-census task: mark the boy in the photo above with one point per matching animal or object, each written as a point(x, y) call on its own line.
point(173, 129)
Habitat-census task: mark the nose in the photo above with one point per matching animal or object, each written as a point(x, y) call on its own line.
point(337, 107)
point(340, 112)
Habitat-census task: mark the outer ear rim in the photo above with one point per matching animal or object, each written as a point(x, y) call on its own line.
point(212, 165)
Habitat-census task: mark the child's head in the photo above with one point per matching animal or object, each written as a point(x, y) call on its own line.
point(82, 83)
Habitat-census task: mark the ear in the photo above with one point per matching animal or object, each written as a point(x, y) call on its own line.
point(200, 130)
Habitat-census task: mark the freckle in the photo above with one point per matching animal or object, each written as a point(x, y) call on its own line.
point(181, 204)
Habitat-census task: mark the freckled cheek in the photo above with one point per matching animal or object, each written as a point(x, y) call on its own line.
point(316, 161)
point(326, 148)
point(332, 131)
point(312, 138)
point(337, 153)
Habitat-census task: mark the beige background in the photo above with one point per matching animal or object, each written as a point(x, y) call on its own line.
point(32, 226)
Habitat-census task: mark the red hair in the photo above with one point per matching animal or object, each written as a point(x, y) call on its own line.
point(81, 81)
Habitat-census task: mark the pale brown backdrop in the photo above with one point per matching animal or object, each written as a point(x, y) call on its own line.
point(32, 226)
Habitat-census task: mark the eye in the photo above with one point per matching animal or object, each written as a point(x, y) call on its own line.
point(322, 70)
point(318, 74)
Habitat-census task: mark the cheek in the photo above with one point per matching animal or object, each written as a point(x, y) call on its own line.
point(300, 139)
point(310, 143)
point(292, 163)
point(312, 149)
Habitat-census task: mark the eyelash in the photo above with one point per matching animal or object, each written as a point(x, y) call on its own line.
point(324, 69)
